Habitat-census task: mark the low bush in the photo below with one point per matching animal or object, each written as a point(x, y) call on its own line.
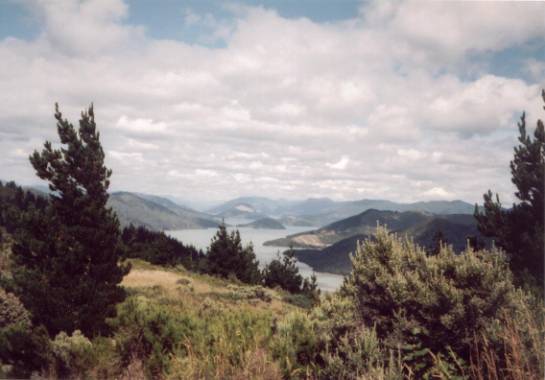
point(23, 347)
point(249, 293)
point(297, 345)
point(149, 332)
point(299, 299)
point(12, 311)
point(402, 314)
point(430, 306)
point(73, 355)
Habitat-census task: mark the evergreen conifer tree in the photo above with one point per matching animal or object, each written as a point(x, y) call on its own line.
point(226, 256)
point(66, 257)
point(283, 272)
point(520, 230)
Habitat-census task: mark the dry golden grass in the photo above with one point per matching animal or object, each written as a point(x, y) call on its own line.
point(205, 296)
point(145, 277)
point(524, 350)
point(191, 288)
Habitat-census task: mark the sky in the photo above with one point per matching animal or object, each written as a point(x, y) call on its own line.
point(210, 100)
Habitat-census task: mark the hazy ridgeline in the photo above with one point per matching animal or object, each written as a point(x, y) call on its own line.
point(83, 297)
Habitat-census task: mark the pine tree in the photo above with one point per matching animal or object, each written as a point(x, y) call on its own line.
point(66, 258)
point(283, 272)
point(226, 257)
point(520, 230)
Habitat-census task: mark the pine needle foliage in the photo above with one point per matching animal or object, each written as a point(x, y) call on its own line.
point(520, 230)
point(227, 257)
point(66, 269)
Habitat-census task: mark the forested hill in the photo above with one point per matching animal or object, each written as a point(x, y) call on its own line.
point(411, 222)
point(265, 223)
point(327, 249)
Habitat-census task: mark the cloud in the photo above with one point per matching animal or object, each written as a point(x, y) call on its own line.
point(86, 27)
point(140, 126)
point(410, 154)
point(535, 68)
point(340, 165)
point(379, 106)
point(437, 193)
point(452, 29)
point(206, 173)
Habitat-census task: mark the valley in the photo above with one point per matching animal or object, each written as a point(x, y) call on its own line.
point(323, 232)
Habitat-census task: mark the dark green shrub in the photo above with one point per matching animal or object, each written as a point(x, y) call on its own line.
point(22, 347)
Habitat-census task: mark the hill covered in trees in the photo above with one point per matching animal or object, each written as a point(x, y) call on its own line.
point(267, 223)
point(412, 222)
point(328, 249)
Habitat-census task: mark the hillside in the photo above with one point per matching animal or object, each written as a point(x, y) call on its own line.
point(344, 235)
point(266, 223)
point(322, 211)
point(239, 210)
point(179, 283)
point(156, 213)
point(411, 222)
point(332, 259)
point(259, 205)
point(185, 325)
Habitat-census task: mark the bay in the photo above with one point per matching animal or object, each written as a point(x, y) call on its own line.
point(200, 239)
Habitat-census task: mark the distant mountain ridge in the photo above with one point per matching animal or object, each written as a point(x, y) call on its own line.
point(264, 223)
point(157, 213)
point(322, 211)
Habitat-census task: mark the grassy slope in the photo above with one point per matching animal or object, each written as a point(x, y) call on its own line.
point(232, 339)
point(182, 285)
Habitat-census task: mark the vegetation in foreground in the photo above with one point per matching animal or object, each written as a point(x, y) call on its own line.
point(416, 317)
point(401, 312)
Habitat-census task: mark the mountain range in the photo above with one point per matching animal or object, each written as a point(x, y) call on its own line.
point(157, 213)
point(264, 223)
point(322, 211)
point(328, 248)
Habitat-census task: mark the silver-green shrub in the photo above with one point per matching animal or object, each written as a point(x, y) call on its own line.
point(12, 311)
point(429, 305)
point(74, 354)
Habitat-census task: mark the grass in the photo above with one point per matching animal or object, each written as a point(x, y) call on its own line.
point(180, 285)
point(231, 324)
